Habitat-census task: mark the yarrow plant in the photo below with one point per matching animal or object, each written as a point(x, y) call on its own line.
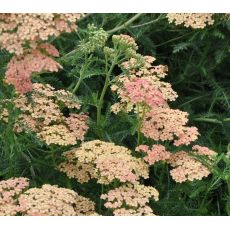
point(20, 69)
point(111, 165)
point(50, 200)
point(187, 167)
point(118, 139)
point(168, 124)
point(155, 154)
point(18, 32)
point(16, 198)
point(41, 113)
point(25, 35)
point(141, 90)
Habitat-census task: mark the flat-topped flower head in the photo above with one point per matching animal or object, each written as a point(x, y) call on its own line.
point(9, 192)
point(142, 86)
point(50, 200)
point(203, 151)
point(124, 168)
point(42, 113)
point(130, 199)
point(25, 36)
point(103, 161)
point(57, 135)
point(169, 124)
point(154, 154)
point(21, 31)
point(141, 91)
point(136, 94)
point(194, 20)
point(186, 167)
point(89, 151)
point(20, 69)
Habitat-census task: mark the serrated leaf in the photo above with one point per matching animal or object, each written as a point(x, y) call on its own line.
point(219, 56)
point(218, 34)
point(181, 46)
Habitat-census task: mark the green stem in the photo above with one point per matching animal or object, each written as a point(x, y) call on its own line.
point(174, 39)
point(105, 87)
point(150, 22)
point(124, 25)
point(140, 121)
point(54, 159)
point(82, 72)
point(210, 120)
point(139, 136)
point(100, 202)
point(78, 83)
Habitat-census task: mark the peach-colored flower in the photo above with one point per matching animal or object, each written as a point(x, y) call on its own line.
point(41, 113)
point(130, 199)
point(185, 167)
point(194, 20)
point(18, 31)
point(103, 161)
point(24, 35)
point(202, 150)
point(168, 124)
point(155, 154)
point(50, 200)
point(20, 69)
point(9, 192)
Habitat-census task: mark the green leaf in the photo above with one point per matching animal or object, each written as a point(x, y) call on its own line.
point(181, 46)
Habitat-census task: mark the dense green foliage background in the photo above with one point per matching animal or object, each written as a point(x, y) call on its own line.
point(199, 71)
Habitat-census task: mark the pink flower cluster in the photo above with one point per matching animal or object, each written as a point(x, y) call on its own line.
point(194, 20)
point(24, 35)
point(42, 113)
point(103, 161)
point(10, 190)
point(111, 164)
point(141, 91)
point(155, 154)
point(202, 150)
point(50, 200)
point(148, 71)
point(130, 199)
point(187, 167)
point(142, 87)
point(20, 69)
point(19, 31)
point(16, 198)
point(124, 168)
point(169, 124)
